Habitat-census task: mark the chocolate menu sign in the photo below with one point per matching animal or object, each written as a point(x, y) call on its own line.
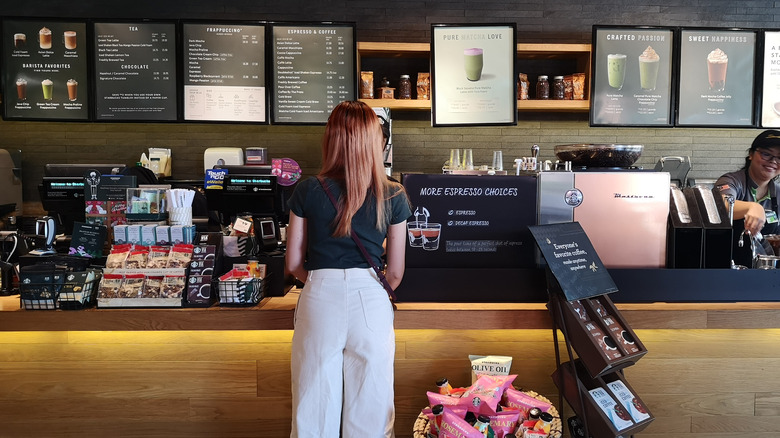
point(470, 221)
point(572, 260)
point(313, 71)
point(224, 72)
point(135, 71)
point(632, 76)
point(45, 67)
point(717, 77)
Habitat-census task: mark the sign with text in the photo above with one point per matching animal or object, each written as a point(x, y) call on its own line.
point(470, 221)
point(313, 68)
point(770, 103)
point(45, 67)
point(473, 74)
point(135, 71)
point(632, 76)
point(717, 78)
point(224, 72)
point(572, 260)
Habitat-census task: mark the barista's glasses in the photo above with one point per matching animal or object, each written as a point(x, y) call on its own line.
point(769, 158)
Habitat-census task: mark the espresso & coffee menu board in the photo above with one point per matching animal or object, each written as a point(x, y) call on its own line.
point(45, 66)
point(717, 78)
point(313, 70)
point(135, 71)
point(632, 76)
point(770, 104)
point(224, 72)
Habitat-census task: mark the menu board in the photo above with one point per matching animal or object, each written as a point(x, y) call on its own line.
point(473, 75)
point(45, 66)
point(135, 71)
point(224, 72)
point(770, 103)
point(313, 70)
point(717, 78)
point(632, 76)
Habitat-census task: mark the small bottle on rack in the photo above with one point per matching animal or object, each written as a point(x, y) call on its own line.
point(385, 92)
point(558, 89)
point(404, 87)
point(444, 386)
point(542, 87)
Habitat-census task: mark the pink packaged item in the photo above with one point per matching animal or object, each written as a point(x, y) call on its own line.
point(483, 396)
point(434, 422)
point(504, 422)
point(523, 402)
point(453, 426)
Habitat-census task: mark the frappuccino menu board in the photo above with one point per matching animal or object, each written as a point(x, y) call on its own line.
point(632, 77)
point(770, 104)
point(313, 71)
point(45, 64)
point(224, 72)
point(135, 71)
point(717, 70)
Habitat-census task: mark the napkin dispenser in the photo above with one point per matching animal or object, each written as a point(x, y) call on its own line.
point(222, 156)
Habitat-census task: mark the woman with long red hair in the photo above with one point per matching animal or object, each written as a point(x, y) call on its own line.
point(343, 346)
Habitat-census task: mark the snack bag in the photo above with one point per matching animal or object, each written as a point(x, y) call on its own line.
point(523, 402)
point(453, 426)
point(483, 396)
point(504, 422)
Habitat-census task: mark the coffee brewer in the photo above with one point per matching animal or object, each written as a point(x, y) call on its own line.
point(45, 232)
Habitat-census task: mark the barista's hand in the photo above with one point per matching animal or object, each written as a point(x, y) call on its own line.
point(755, 218)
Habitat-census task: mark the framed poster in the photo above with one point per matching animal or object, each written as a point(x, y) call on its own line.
point(473, 74)
point(45, 65)
point(717, 78)
point(224, 72)
point(135, 71)
point(770, 94)
point(631, 78)
point(313, 70)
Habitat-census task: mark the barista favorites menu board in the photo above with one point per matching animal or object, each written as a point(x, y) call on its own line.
point(224, 72)
point(313, 68)
point(717, 78)
point(135, 71)
point(632, 76)
point(45, 64)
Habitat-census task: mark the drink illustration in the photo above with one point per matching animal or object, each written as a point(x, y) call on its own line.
point(21, 89)
point(48, 86)
point(717, 64)
point(20, 40)
point(431, 232)
point(472, 61)
point(616, 70)
point(423, 234)
point(44, 38)
point(72, 89)
point(414, 229)
point(69, 39)
point(648, 68)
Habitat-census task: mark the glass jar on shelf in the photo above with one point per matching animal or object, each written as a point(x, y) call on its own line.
point(542, 88)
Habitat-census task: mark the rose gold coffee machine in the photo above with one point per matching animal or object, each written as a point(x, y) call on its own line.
point(623, 212)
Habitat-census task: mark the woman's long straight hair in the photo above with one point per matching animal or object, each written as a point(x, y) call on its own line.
point(352, 153)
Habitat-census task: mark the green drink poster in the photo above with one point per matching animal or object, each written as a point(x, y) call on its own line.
point(717, 83)
point(632, 71)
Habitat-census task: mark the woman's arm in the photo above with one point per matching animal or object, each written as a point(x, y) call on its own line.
point(753, 213)
point(296, 247)
point(396, 245)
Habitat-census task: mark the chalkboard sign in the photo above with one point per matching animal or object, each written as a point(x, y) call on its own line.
point(470, 221)
point(135, 71)
point(572, 260)
point(45, 67)
point(224, 72)
point(313, 70)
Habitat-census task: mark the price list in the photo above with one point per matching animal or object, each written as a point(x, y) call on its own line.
point(313, 71)
point(135, 71)
point(224, 74)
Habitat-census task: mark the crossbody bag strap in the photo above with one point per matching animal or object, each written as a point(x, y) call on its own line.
point(379, 273)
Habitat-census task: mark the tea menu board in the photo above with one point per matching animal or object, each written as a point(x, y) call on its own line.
point(717, 77)
point(770, 104)
point(313, 71)
point(632, 76)
point(224, 72)
point(135, 71)
point(45, 66)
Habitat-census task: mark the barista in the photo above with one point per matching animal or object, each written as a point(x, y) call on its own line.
point(755, 188)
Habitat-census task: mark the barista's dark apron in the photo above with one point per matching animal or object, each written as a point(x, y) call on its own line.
point(743, 256)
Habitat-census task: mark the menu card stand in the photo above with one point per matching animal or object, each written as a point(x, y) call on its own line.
point(593, 384)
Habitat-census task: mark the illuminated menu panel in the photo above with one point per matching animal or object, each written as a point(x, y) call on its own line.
point(313, 71)
point(135, 71)
point(224, 72)
point(45, 68)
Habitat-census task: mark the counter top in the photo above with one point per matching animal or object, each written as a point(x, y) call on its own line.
point(276, 313)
